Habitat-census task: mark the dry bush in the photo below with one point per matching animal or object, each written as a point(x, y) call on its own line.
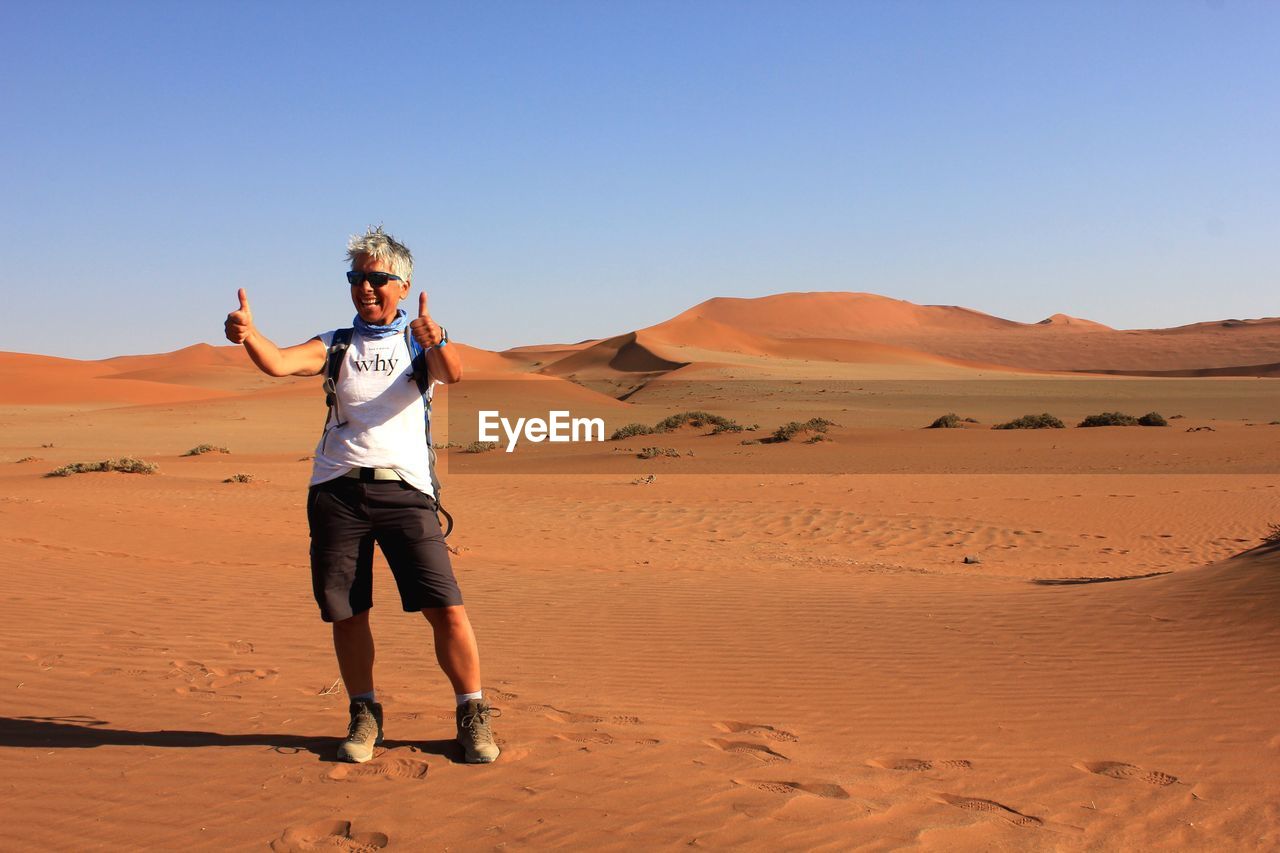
point(205, 448)
point(480, 447)
point(1041, 421)
point(630, 430)
point(125, 465)
point(788, 431)
point(1109, 419)
point(239, 478)
point(696, 419)
point(652, 452)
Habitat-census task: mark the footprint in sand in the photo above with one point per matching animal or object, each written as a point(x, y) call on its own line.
point(918, 765)
point(589, 737)
point(1121, 770)
point(758, 751)
point(328, 835)
point(193, 671)
point(204, 693)
point(975, 804)
point(384, 767)
point(826, 790)
point(757, 729)
point(561, 716)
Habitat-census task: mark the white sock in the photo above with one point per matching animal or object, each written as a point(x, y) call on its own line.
point(463, 698)
point(365, 697)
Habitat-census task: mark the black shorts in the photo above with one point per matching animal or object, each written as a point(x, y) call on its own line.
point(346, 517)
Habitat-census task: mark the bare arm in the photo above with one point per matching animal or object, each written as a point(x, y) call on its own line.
point(306, 359)
point(444, 362)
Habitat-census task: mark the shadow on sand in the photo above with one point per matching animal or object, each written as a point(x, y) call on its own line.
point(81, 732)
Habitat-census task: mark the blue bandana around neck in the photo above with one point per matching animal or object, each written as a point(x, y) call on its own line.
point(395, 327)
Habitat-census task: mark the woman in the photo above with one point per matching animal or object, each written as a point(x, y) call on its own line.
point(372, 482)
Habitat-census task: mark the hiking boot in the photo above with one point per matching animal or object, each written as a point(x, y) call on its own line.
point(474, 733)
point(364, 733)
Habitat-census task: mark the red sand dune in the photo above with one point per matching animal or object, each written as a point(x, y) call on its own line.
point(1065, 320)
point(957, 336)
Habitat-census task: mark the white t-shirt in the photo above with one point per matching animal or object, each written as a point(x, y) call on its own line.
point(381, 415)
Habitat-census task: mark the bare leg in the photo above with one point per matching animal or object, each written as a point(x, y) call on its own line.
point(455, 647)
point(353, 643)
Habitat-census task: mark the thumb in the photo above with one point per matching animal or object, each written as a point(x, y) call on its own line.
point(244, 299)
point(422, 304)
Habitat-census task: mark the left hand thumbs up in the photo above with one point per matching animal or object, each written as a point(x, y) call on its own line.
point(425, 330)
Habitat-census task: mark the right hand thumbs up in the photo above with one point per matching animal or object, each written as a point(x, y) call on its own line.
point(240, 322)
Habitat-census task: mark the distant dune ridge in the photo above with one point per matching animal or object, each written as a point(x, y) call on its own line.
point(784, 334)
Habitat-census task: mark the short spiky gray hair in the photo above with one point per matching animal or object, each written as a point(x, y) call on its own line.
point(381, 246)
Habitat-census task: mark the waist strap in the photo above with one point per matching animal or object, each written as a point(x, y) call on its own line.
point(368, 475)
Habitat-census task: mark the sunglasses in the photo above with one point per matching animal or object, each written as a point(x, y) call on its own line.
point(377, 279)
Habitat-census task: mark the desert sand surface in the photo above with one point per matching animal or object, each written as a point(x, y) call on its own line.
point(740, 646)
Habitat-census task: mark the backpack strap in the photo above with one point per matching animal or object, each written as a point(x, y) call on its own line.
point(332, 367)
point(422, 376)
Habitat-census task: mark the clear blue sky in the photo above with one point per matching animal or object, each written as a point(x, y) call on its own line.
point(571, 170)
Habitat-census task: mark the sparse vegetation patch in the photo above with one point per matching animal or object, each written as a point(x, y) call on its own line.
point(696, 419)
point(1109, 419)
point(239, 478)
point(948, 421)
point(125, 465)
point(1041, 421)
point(630, 430)
point(205, 448)
point(652, 452)
point(1152, 419)
point(1273, 534)
point(788, 431)
point(480, 447)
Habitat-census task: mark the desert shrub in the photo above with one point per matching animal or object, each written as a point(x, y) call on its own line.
point(948, 421)
point(816, 437)
point(1152, 419)
point(971, 420)
point(750, 441)
point(125, 465)
point(205, 448)
point(693, 419)
point(788, 431)
point(630, 430)
point(239, 478)
point(449, 446)
point(26, 459)
point(1273, 534)
point(1176, 417)
point(480, 446)
point(1109, 419)
point(727, 427)
point(651, 452)
point(1041, 421)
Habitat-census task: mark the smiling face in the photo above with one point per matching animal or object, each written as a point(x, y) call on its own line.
point(376, 305)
